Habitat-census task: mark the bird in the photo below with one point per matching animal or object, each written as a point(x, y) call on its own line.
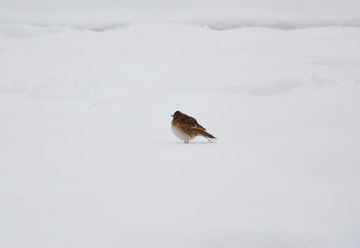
point(186, 128)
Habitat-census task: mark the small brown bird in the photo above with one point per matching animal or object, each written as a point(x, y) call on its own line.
point(186, 128)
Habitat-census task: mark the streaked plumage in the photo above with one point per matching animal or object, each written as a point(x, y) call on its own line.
point(186, 128)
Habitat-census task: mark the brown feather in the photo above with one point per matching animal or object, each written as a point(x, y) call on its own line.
point(189, 126)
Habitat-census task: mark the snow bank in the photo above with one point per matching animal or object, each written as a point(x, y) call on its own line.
point(87, 157)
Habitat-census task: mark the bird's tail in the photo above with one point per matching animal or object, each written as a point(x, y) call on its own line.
point(210, 137)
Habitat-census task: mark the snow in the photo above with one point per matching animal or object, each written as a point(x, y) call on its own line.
point(87, 157)
point(96, 11)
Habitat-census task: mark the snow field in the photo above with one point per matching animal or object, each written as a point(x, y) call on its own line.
point(87, 157)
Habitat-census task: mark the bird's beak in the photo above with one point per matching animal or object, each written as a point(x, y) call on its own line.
point(171, 115)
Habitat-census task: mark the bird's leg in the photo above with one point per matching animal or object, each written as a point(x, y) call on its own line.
point(186, 141)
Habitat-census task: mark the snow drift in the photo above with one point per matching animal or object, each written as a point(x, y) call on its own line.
point(87, 157)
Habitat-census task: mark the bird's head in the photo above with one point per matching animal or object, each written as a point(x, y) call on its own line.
point(176, 114)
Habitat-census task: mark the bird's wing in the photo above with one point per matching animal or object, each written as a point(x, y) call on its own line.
point(192, 122)
point(189, 130)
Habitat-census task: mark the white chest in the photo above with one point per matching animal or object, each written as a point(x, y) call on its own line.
point(181, 135)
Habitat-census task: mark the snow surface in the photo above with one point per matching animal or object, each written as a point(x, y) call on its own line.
point(87, 157)
point(69, 11)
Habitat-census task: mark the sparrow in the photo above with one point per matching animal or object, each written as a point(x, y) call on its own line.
point(186, 128)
